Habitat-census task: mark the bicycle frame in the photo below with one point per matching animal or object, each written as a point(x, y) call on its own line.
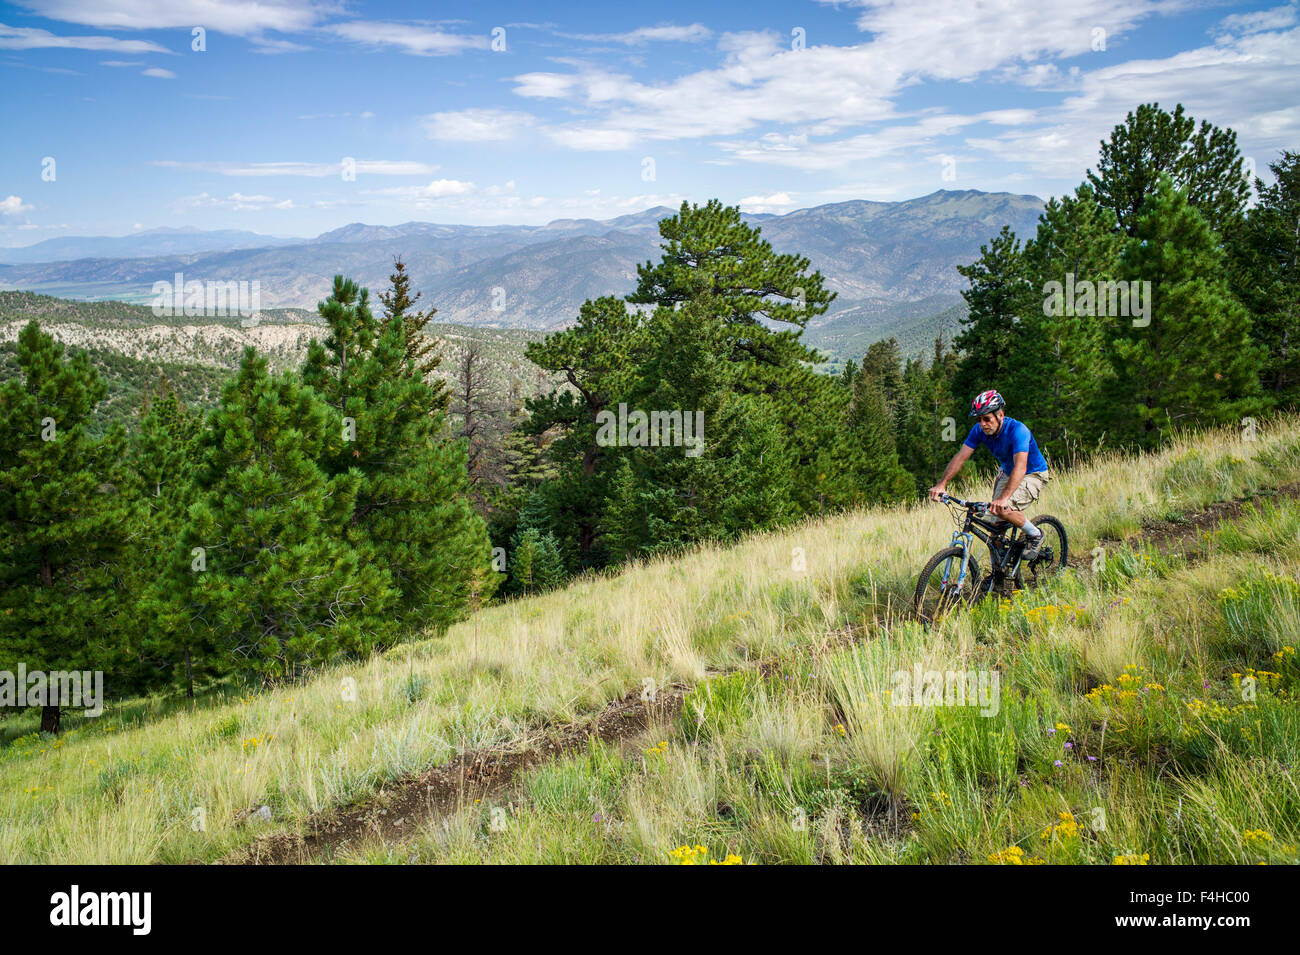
point(1003, 556)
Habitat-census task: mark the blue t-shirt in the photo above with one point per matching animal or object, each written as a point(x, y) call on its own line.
point(1012, 439)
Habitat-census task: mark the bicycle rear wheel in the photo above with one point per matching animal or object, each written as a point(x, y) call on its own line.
point(1053, 554)
point(938, 589)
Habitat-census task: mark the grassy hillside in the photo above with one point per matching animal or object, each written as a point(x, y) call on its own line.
point(1121, 732)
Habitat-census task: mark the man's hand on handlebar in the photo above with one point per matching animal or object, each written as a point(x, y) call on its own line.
point(936, 492)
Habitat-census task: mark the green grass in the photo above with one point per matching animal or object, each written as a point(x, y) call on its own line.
point(1167, 757)
point(809, 763)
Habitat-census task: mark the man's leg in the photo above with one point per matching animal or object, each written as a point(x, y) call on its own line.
point(1012, 514)
point(1025, 495)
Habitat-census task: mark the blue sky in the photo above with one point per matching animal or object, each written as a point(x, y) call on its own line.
point(592, 109)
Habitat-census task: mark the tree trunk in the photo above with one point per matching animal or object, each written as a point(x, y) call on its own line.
point(49, 714)
point(189, 675)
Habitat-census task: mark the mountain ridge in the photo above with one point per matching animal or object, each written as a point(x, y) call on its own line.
point(536, 277)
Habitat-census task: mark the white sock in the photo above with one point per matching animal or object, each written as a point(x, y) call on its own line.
point(1031, 530)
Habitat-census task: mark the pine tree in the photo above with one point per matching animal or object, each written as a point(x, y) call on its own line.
point(761, 301)
point(599, 356)
point(1266, 276)
point(1058, 362)
point(163, 452)
point(999, 294)
point(711, 252)
point(735, 479)
point(274, 582)
point(1194, 364)
point(931, 423)
point(412, 512)
point(422, 355)
point(535, 562)
point(66, 510)
point(481, 415)
point(884, 362)
point(1204, 163)
point(869, 429)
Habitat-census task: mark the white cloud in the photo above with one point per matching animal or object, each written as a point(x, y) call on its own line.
point(545, 85)
point(763, 80)
point(236, 201)
point(29, 38)
point(592, 139)
point(13, 206)
point(915, 141)
point(1248, 83)
point(438, 189)
point(409, 38)
point(1244, 23)
point(774, 202)
point(667, 33)
point(236, 17)
point(315, 170)
point(158, 73)
point(265, 45)
point(476, 125)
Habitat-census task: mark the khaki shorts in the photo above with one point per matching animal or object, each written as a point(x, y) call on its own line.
point(1030, 486)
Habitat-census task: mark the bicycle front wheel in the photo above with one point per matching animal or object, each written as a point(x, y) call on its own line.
point(941, 588)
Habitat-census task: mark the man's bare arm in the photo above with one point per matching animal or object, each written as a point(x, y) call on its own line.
point(961, 457)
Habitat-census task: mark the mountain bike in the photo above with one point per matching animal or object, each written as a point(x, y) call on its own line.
point(952, 577)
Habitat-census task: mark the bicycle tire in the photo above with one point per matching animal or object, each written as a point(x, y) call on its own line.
point(1039, 569)
point(970, 586)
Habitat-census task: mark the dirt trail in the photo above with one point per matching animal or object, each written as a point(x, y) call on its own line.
point(1184, 536)
point(399, 810)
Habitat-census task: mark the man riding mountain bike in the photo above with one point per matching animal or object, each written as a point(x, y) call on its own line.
point(1023, 467)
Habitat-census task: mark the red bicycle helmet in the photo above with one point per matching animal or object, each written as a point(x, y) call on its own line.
point(986, 402)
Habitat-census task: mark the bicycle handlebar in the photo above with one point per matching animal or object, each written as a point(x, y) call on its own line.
point(979, 507)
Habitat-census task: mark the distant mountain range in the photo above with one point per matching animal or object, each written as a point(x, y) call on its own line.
point(144, 243)
point(884, 259)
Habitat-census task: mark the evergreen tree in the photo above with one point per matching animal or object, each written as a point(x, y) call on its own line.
point(876, 469)
point(599, 357)
point(535, 562)
point(931, 423)
point(884, 362)
point(736, 479)
point(412, 511)
point(1266, 276)
point(762, 301)
point(163, 452)
point(67, 511)
point(1057, 353)
point(274, 581)
point(711, 252)
point(999, 294)
point(422, 356)
point(1203, 162)
point(1194, 364)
